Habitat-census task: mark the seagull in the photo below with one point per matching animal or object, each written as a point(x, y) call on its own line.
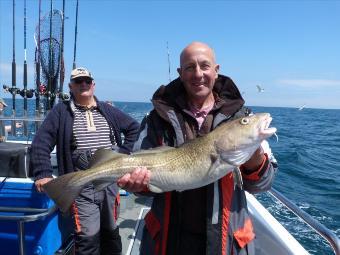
point(259, 89)
point(302, 107)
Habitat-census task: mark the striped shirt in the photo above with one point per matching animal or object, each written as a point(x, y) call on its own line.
point(91, 130)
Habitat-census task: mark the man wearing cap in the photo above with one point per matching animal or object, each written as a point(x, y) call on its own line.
point(78, 128)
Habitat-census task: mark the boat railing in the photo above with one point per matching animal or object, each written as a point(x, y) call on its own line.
point(322, 230)
point(30, 124)
point(35, 214)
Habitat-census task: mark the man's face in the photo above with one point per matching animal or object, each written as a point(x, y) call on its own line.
point(198, 72)
point(1, 107)
point(82, 87)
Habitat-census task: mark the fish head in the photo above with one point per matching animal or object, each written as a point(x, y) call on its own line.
point(238, 139)
point(255, 127)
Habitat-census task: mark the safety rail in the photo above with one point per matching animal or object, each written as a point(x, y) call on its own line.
point(21, 219)
point(27, 128)
point(23, 118)
point(322, 230)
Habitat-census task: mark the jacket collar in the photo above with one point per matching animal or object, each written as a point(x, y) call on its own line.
point(72, 104)
point(228, 99)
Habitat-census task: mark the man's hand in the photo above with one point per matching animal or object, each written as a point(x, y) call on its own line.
point(255, 161)
point(135, 181)
point(18, 124)
point(39, 183)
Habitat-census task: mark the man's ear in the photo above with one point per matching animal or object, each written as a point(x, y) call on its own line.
point(179, 71)
point(217, 69)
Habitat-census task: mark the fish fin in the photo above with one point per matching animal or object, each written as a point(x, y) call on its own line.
point(219, 169)
point(103, 155)
point(235, 157)
point(101, 184)
point(63, 191)
point(214, 157)
point(154, 188)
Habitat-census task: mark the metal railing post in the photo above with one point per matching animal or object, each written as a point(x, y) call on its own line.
point(21, 233)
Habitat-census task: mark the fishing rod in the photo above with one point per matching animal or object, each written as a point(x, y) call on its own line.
point(167, 47)
point(62, 67)
point(37, 68)
point(25, 93)
point(75, 37)
point(50, 58)
point(25, 72)
point(13, 90)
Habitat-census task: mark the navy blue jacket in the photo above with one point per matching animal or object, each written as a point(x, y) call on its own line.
point(57, 129)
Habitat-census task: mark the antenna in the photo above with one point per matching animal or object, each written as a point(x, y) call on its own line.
point(75, 37)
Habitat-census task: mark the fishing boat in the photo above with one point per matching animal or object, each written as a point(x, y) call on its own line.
point(30, 221)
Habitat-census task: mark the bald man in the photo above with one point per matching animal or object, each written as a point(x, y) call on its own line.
point(212, 219)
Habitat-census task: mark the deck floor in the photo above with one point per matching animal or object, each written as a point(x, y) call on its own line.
point(131, 223)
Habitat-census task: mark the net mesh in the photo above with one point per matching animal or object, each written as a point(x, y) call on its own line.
point(49, 52)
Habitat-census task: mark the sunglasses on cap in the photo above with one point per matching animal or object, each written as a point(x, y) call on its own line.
point(81, 80)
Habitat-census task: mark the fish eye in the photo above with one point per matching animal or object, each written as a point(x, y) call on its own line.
point(244, 121)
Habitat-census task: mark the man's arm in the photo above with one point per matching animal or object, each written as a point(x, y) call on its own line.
point(129, 127)
point(259, 171)
point(41, 148)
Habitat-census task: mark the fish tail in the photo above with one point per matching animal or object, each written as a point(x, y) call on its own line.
point(63, 190)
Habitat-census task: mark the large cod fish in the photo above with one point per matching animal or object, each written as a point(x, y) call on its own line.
point(194, 164)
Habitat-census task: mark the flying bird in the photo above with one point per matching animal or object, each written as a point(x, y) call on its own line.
point(259, 89)
point(301, 107)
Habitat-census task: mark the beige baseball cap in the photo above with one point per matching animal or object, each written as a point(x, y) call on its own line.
point(80, 72)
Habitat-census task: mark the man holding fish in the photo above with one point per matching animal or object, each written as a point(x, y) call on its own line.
point(212, 219)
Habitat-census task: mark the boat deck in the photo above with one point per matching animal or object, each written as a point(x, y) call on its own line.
point(132, 211)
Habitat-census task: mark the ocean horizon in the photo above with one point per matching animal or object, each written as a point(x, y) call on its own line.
point(8, 101)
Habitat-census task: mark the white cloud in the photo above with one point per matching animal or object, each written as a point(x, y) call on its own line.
point(310, 83)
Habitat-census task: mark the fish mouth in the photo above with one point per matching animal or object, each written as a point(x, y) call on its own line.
point(265, 129)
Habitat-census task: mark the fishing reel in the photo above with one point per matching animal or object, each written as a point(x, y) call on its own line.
point(43, 92)
point(29, 93)
point(63, 96)
point(12, 90)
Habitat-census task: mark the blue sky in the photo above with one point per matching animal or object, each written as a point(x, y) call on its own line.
point(290, 48)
